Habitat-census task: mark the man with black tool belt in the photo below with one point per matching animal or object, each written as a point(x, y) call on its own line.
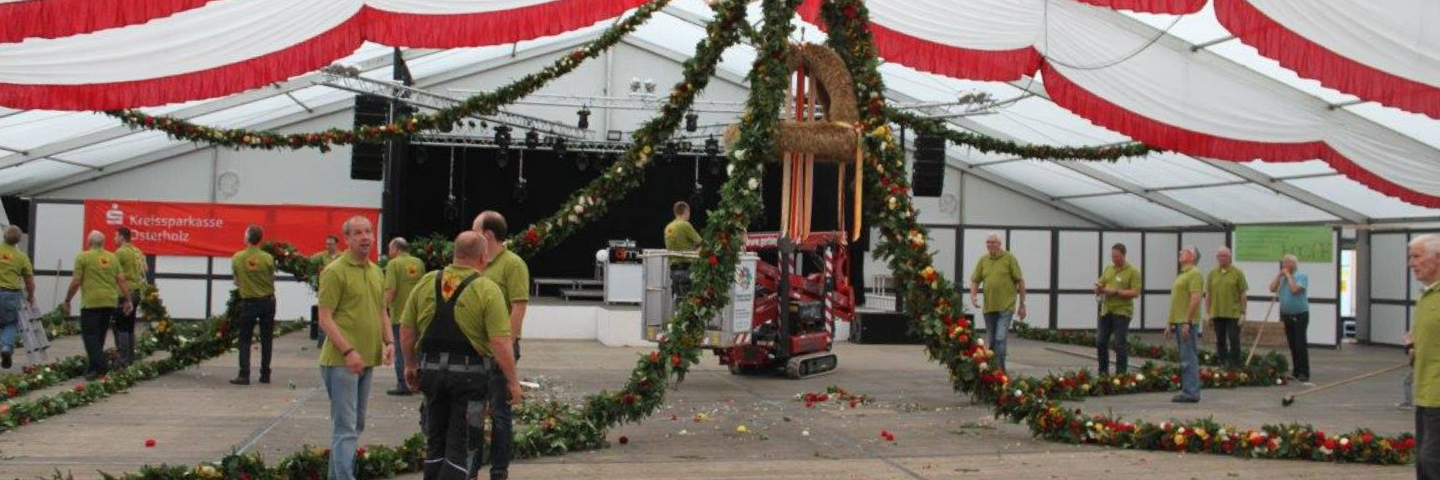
point(459, 323)
point(254, 271)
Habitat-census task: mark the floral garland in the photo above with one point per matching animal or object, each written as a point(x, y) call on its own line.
point(593, 201)
point(950, 340)
point(193, 343)
point(934, 127)
point(1138, 348)
point(442, 120)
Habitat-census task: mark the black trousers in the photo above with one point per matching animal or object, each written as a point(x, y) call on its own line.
point(1427, 443)
point(1297, 327)
point(447, 393)
point(125, 329)
point(256, 312)
point(1227, 340)
point(1119, 326)
point(94, 323)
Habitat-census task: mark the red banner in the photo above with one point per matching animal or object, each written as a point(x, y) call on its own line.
point(217, 229)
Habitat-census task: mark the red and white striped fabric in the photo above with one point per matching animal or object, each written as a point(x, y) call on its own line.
point(61, 18)
point(1095, 63)
point(229, 46)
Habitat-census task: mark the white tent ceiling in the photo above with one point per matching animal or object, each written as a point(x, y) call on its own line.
point(40, 150)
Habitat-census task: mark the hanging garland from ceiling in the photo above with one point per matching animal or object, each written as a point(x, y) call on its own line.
point(443, 120)
point(937, 128)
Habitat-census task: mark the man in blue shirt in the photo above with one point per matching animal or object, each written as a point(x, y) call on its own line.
point(1292, 288)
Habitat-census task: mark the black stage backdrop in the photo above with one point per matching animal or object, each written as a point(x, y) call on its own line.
point(481, 183)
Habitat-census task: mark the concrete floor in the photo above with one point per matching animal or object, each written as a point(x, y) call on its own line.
point(194, 415)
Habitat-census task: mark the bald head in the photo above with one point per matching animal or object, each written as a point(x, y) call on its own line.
point(469, 247)
point(1224, 257)
point(96, 239)
point(12, 235)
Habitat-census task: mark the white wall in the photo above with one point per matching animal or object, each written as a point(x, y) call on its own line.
point(986, 203)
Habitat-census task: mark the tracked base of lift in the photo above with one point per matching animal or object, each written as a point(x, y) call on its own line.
point(812, 365)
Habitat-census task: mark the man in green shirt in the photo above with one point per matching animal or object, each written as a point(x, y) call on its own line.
point(680, 236)
point(1117, 288)
point(98, 276)
point(1424, 260)
point(357, 338)
point(1225, 303)
point(322, 260)
point(454, 334)
point(15, 272)
point(132, 263)
point(402, 272)
point(1185, 296)
point(254, 271)
point(509, 271)
point(1004, 294)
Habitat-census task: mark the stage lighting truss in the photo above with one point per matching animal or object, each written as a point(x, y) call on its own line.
point(678, 146)
point(338, 78)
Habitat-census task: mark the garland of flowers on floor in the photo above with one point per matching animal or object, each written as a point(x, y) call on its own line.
point(1037, 402)
point(193, 342)
point(37, 377)
point(936, 127)
point(443, 120)
point(1138, 348)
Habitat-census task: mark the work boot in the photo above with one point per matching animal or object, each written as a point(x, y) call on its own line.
point(5, 359)
point(265, 378)
point(241, 380)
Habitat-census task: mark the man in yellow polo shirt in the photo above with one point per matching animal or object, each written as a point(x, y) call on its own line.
point(680, 236)
point(510, 272)
point(98, 276)
point(357, 338)
point(254, 271)
point(999, 272)
point(132, 263)
point(1225, 304)
point(1424, 260)
point(402, 272)
point(1185, 296)
point(322, 260)
point(15, 272)
point(454, 333)
point(1117, 287)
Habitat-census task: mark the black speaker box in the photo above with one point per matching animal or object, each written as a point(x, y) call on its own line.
point(927, 179)
point(367, 160)
point(878, 328)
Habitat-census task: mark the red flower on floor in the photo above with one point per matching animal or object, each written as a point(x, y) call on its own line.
point(80, 388)
point(149, 443)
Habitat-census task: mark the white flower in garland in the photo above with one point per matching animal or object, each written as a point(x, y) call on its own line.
point(574, 219)
point(579, 209)
point(753, 183)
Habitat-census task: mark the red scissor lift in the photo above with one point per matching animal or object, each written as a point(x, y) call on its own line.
point(801, 291)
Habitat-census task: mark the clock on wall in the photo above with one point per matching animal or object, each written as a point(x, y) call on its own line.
point(228, 184)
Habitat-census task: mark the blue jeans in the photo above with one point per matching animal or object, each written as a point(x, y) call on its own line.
point(348, 395)
point(502, 425)
point(399, 359)
point(10, 305)
point(997, 328)
point(1189, 363)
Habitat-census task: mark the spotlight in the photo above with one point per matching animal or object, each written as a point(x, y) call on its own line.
point(692, 122)
point(582, 161)
point(669, 152)
point(635, 84)
point(502, 157)
point(559, 148)
point(584, 114)
point(649, 85)
point(532, 139)
point(502, 137)
point(521, 193)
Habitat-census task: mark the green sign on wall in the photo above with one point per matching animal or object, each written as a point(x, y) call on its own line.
point(1269, 243)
